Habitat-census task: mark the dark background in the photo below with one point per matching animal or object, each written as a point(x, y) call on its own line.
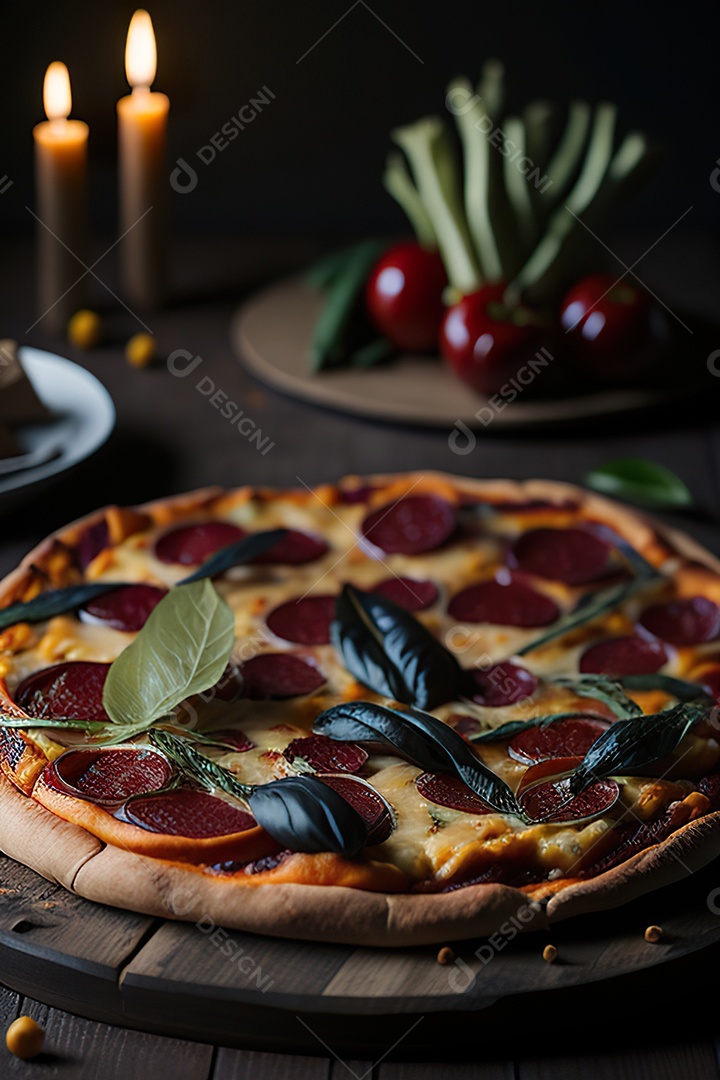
point(312, 159)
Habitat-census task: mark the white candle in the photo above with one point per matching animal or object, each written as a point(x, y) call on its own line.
point(142, 126)
point(61, 184)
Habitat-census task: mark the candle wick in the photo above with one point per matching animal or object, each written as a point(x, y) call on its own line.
point(141, 91)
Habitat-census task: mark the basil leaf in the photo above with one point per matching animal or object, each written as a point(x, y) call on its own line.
point(419, 738)
point(514, 727)
point(300, 812)
point(640, 481)
point(26, 723)
point(304, 814)
point(55, 602)
point(237, 554)
point(588, 610)
point(391, 652)
point(182, 649)
point(679, 688)
point(601, 688)
point(629, 745)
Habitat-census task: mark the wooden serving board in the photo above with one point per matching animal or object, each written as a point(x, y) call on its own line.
point(197, 982)
point(272, 331)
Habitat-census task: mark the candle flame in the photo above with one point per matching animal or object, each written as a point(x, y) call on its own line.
point(57, 96)
point(140, 50)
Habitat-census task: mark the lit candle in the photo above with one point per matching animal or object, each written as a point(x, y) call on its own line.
point(61, 183)
point(142, 124)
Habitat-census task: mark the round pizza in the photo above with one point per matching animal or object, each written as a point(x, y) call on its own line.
point(394, 710)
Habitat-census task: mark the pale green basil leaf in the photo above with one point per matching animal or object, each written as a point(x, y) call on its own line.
point(182, 649)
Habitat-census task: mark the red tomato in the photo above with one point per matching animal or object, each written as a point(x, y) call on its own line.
point(484, 342)
point(403, 296)
point(615, 330)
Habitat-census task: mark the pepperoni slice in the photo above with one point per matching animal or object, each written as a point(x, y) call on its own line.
point(359, 494)
point(184, 812)
point(501, 684)
point(464, 725)
point(504, 603)
point(570, 555)
point(305, 621)
point(369, 804)
point(108, 777)
point(235, 738)
point(410, 526)
point(572, 737)
point(327, 755)
point(275, 676)
point(126, 609)
point(552, 801)
point(624, 656)
point(190, 545)
point(92, 540)
point(407, 593)
point(446, 790)
point(294, 549)
point(74, 689)
point(683, 622)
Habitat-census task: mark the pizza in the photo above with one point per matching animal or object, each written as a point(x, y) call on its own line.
point(393, 710)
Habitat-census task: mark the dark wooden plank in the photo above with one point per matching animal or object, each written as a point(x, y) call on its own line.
point(251, 1065)
point(77, 1049)
point(231, 966)
point(477, 1070)
point(691, 1059)
point(42, 952)
point(9, 1006)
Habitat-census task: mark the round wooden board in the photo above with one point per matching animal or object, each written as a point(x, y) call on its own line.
point(271, 333)
point(194, 980)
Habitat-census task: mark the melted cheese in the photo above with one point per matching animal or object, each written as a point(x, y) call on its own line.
point(429, 841)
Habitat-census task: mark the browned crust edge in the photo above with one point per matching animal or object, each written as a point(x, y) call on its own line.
point(70, 855)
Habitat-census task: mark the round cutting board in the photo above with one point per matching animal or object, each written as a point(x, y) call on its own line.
point(271, 335)
point(200, 981)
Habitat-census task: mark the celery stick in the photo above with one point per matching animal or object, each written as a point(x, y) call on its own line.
point(473, 124)
point(516, 185)
point(396, 180)
point(435, 171)
point(564, 162)
point(542, 272)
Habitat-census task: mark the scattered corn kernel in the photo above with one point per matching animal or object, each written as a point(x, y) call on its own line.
point(85, 329)
point(653, 934)
point(445, 956)
point(25, 1038)
point(550, 954)
point(140, 350)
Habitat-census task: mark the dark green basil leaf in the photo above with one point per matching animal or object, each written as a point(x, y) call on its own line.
point(601, 688)
point(419, 738)
point(681, 689)
point(630, 745)
point(513, 727)
point(55, 602)
point(589, 609)
point(304, 814)
point(182, 649)
point(300, 812)
point(391, 652)
point(238, 554)
point(640, 481)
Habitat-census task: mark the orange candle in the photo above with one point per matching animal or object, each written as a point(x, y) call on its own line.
point(142, 126)
point(61, 184)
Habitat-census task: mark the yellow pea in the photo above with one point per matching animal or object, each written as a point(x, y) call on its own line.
point(25, 1038)
point(140, 350)
point(85, 329)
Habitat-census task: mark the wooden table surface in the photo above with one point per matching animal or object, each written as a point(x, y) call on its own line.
point(170, 439)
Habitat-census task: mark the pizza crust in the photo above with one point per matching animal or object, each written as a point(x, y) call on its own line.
point(68, 854)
